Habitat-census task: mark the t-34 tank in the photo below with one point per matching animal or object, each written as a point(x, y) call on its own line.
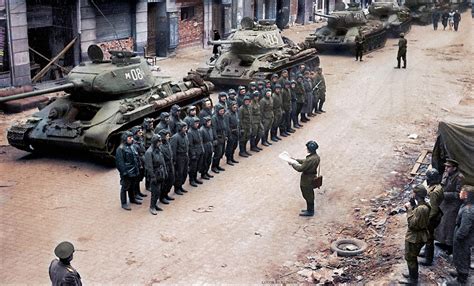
point(256, 51)
point(104, 98)
point(421, 10)
point(396, 18)
point(343, 27)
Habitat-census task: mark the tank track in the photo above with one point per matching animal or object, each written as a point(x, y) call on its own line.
point(375, 41)
point(17, 136)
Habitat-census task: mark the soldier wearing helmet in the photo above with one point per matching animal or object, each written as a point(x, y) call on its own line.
point(128, 165)
point(308, 168)
point(402, 51)
point(60, 271)
point(245, 124)
point(436, 195)
point(242, 92)
point(156, 169)
point(180, 147)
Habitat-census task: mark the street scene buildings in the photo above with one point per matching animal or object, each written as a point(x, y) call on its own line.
point(152, 142)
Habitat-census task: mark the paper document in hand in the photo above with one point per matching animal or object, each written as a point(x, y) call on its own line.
point(286, 157)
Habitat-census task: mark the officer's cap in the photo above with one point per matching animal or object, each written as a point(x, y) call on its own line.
point(451, 162)
point(64, 250)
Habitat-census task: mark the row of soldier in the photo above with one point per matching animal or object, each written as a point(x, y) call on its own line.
point(179, 147)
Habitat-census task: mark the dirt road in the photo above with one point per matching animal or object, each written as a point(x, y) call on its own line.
point(253, 224)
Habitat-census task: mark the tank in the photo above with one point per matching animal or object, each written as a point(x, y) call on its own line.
point(103, 98)
point(421, 10)
point(343, 27)
point(255, 52)
point(396, 19)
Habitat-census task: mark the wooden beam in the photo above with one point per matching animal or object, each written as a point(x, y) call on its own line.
point(42, 72)
point(44, 57)
point(419, 162)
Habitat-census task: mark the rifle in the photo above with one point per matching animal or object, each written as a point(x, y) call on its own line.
point(317, 85)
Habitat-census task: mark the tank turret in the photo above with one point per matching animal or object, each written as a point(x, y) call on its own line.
point(255, 51)
point(395, 18)
point(103, 98)
point(342, 28)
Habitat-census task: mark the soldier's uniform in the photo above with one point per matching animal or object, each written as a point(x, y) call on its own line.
point(278, 114)
point(286, 107)
point(220, 130)
point(156, 170)
point(300, 98)
point(232, 121)
point(359, 41)
point(163, 124)
point(174, 119)
point(308, 168)
point(208, 140)
point(180, 146)
point(128, 165)
point(148, 132)
point(435, 193)
point(417, 232)
point(402, 51)
point(245, 120)
point(266, 107)
point(241, 94)
point(257, 127)
point(61, 272)
point(320, 92)
point(196, 153)
point(205, 112)
point(189, 119)
point(165, 149)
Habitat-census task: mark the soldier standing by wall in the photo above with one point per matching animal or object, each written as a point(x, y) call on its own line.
point(156, 169)
point(418, 212)
point(245, 120)
point(180, 146)
point(435, 193)
point(452, 183)
point(60, 271)
point(266, 107)
point(232, 121)
point(464, 236)
point(165, 149)
point(308, 168)
point(196, 152)
point(221, 131)
point(128, 167)
point(208, 140)
point(402, 51)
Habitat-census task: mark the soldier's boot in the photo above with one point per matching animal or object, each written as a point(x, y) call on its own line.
point(182, 190)
point(309, 211)
point(257, 140)
point(153, 211)
point(192, 182)
point(321, 107)
point(142, 194)
point(229, 161)
point(126, 207)
point(164, 201)
point(199, 182)
point(273, 136)
point(209, 175)
point(398, 65)
point(215, 170)
point(410, 278)
point(158, 208)
point(177, 190)
point(233, 160)
point(205, 177)
point(169, 198)
point(220, 168)
point(242, 152)
point(252, 145)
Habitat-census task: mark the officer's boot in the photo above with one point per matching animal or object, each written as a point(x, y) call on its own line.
point(192, 181)
point(307, 207)
point(404, 64)
point(309, 211)
point(273, 136)
point(283, 132)
point(242, 152)
point(429, 254)
point(265, 140)
point(233, 159)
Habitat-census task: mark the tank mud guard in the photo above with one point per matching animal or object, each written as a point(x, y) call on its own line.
point(17, 136)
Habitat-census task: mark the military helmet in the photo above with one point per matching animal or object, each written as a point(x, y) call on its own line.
point(252, 84)
point(231, 91)
point(312, 146)
point(299, 76)
point(402, 35)
point(260, 82)
point(433, 177)
point(222, 94)
point(64, 250)
point(256, 93)
point(274, 75)
point(420, 191)
point(287, 82)
point(268, 90)
point(241, 87)
point(247, 98)
point(293, 81)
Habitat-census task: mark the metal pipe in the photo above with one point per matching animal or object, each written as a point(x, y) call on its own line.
point(10, 41)
point(37, 92)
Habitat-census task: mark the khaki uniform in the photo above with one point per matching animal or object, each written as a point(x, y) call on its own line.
point(256, 119)
point(435, 193)
point(417, 233)
point(308, 168)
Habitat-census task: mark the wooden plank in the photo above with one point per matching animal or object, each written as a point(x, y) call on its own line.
point(419, 162)
point(42, 72)
point(44, 57)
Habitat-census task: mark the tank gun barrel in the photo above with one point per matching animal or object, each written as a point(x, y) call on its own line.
point(325, 16)
point(224, 42)
point(37, 92)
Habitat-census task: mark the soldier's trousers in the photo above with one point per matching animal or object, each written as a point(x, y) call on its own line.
point(218, 153)
point(167, 185)
point(456, 25)
point(308, 195)
point(267, 125)
point(294, 114)
point(322, 99)
point(411, 254)
point(401, 56)
point(195, 165)
point(127, 187)
point(299, 107)
point(181, 170)
point(435, 25)
point(461, 255)
point(276, 123)
point(206, 160)
point(429, 246)
point(155, 189)
point(257, 133)
point(285, 124)
point(359, 53)
point(232, 143)
point(316, 102)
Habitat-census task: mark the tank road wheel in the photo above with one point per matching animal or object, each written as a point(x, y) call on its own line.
point(112, 144)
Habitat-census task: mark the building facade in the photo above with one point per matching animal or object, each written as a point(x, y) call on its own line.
point(33, 32)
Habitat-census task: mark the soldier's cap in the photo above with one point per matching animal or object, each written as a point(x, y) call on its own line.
point(222, 94)
point(293, 81)
point(312, 146)
point(196, 119)
point(252, 83)
point(255, 93)
point(318, 69)
point(233, 102)
point(155, 139)
point(306, 72)
point(420, 190)
point(231, 91)
point(277, 85)
point(163, 132)
point(274, 75)
point(207, 118)
point(260, 82)
point(267, 81)
point(164, 115)
point(284, 71)
point(181, 125)
point(192, 107)
point(468, 188)
point(241, 88)
point(64, 250)
point(219, 107)
point(299, 76)
point(287, 82)
point(268, 90)
point(402, 35)
point(247, 98)
point(175, 108)
point(451, 162)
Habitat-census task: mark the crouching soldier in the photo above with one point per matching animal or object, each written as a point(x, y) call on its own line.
point(156, 168)
point(418, 214)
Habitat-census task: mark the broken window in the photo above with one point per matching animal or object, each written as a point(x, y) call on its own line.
point(187, 13)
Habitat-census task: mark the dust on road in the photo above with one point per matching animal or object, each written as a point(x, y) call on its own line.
point(254, 226)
